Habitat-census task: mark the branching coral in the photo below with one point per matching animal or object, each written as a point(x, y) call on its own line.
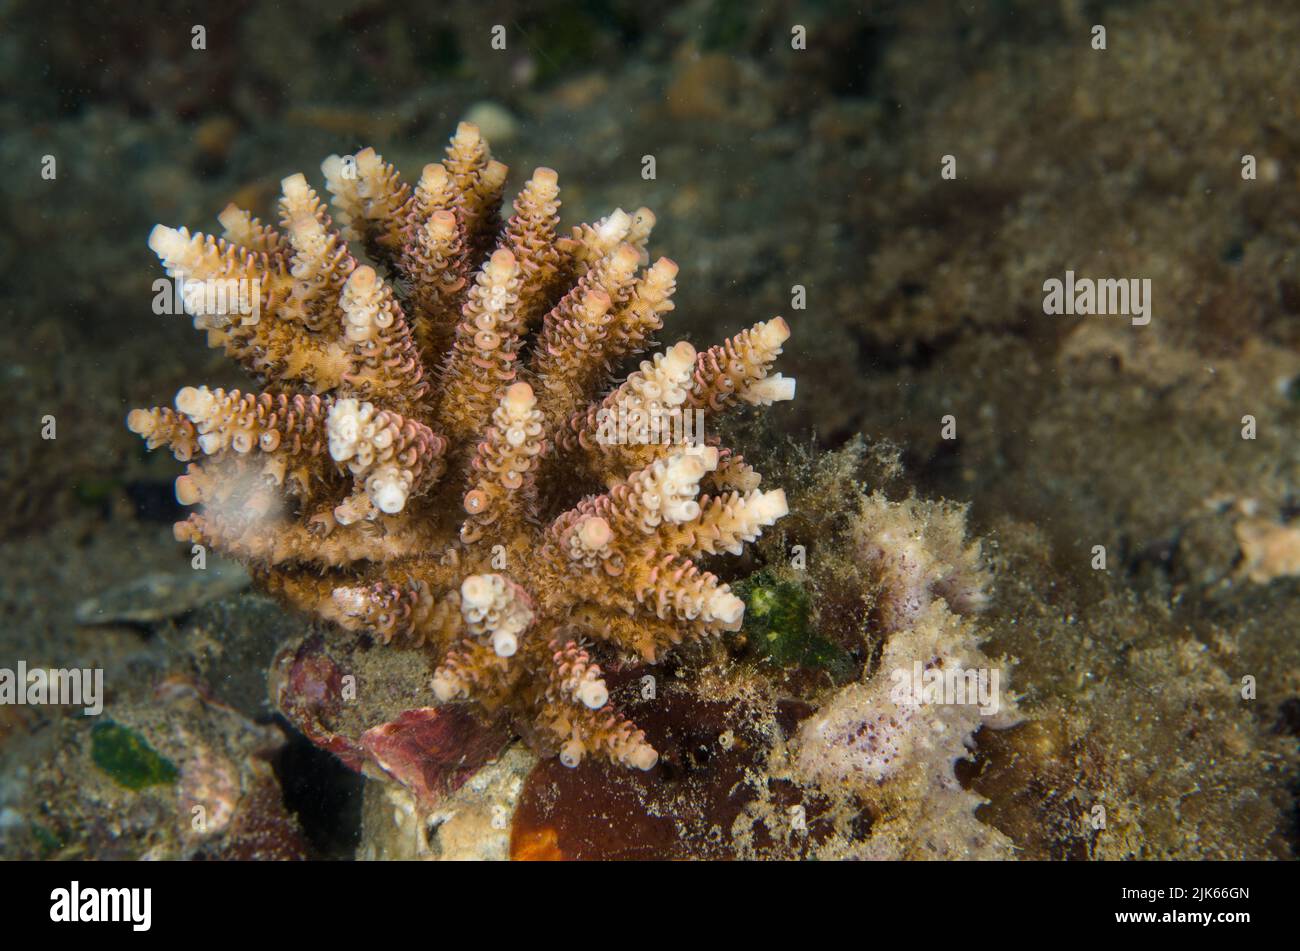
point(415, 462)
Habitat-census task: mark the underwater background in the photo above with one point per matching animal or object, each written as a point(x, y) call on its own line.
point(899, 180)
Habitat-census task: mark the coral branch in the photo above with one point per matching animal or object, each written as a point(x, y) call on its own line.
point(437, 266)
point(726, 523)
point(391, 457)
point(573, 355)
point(482, 361)
point(243, 229)
point(496, 608)
point(409, 612)
point(504, 468)
point(640, 420)
point(384, 361)
point(530, 236)
point(321, 262)
point(370, 199)
point(738, 369)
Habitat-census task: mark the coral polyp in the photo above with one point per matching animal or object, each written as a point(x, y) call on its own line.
point(432, 456)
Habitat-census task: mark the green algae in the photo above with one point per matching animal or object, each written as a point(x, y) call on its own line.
point(128, 758)
point(779, 627)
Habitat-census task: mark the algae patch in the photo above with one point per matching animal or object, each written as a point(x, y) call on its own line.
point(778, 625)
point(128, 759)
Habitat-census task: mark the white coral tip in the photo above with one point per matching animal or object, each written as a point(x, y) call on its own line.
point(772, 333)
point(546, 181)
point(350, 601)
point(187, 490)
point(772, 389)
point(594, 533)
point(708, 455)
point(593, 694)
point(343, 428)
point(519, 399)
point(194, 402)
point(685, 468)
point(680, 359)
point(679, 512)
point(390, 498)
point(444, 689)
point(467, 135)
point(295, 185)
point(615, 226)
point(476, 591)
point(167, 243)
point(502, 266)
point(141, 422)
point(504, 644)
point(727, 608)
point(362, 280)
point(388, 490)
point(232, 216)
point(571, 753)
point(770, 506)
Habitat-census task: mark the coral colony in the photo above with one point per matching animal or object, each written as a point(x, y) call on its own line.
point(429, 460)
